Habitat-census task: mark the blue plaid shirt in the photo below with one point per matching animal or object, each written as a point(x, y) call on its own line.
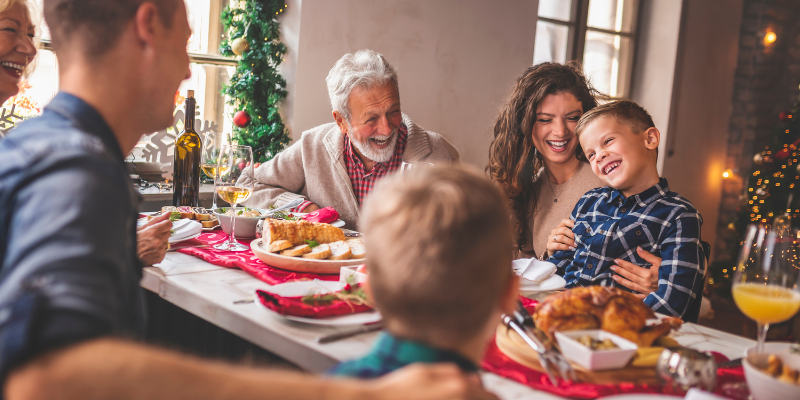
point(609, 226)
point(391, 353)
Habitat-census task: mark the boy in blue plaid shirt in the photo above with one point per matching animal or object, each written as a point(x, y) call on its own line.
point(439, 269)
point(636, 209)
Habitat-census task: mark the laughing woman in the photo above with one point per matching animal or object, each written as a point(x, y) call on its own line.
point(17, 48)
point(535, 157)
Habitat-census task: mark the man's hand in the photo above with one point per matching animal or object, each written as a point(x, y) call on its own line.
point(431, 382)
point(562, 237)
point(151, 240)
point(641, 279)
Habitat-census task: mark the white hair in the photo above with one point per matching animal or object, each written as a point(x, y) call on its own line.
point(362, 69)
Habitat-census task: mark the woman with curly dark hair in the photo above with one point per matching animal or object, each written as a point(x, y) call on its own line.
point(536, 158)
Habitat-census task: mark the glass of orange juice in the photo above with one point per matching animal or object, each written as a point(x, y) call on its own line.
point(765, 283)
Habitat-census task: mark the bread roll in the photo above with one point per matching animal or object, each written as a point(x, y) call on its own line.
point(279, 245)
point(320, 252)
point(298, 232)
point(297, 251)
point(357, 248)
point(340, 251)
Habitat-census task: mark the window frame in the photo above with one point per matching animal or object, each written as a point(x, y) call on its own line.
point(578, 26)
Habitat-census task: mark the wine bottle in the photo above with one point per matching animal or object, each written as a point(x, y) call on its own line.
point(188, 149)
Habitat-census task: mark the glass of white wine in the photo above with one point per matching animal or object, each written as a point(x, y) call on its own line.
point(765, 283)
point(212, 144)
point(232, 162)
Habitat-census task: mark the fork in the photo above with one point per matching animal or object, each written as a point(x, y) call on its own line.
point(548, 358)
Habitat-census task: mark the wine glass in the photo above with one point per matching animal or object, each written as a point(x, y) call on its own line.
point(413, 165)
point(212, 144)
point(232, 162)
point(765, 281)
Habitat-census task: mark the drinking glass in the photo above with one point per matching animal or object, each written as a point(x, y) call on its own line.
point(408, 166)
point(232, 162)
point(765, 281)
point(212, 144)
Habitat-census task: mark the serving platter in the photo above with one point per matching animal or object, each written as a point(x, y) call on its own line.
point(511, 344)
point(299, 264)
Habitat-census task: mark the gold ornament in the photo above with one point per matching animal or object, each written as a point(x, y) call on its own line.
point(239, 46)
point(758, 158)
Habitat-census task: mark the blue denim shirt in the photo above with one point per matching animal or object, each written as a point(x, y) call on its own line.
point(609, 226)
point(68, 212)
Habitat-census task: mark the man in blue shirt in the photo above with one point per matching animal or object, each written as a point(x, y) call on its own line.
point(70, 300)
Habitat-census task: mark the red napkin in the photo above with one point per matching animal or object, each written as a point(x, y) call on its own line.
point(325, 215)
point(295, 307)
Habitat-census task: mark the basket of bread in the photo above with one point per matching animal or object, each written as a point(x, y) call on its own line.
point(305, 246)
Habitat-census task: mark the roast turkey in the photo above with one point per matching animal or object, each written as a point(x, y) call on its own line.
point(599, 307)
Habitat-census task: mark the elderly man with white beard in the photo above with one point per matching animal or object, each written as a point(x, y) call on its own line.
point(337, 164)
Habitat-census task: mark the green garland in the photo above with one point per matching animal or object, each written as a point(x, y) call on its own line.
point(257, 87)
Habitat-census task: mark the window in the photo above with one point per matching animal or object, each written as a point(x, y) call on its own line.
point(210, 72)
point(599, 33)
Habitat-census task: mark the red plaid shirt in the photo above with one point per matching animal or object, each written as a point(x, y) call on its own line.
point(362, 180)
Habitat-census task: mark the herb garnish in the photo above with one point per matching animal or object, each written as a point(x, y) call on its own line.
point(312, 243)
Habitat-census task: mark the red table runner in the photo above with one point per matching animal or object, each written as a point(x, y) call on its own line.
point(496, 362)
point(244, 260)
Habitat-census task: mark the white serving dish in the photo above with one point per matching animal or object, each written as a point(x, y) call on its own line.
point(595, 360)
point(764, 386)
point(245, 226)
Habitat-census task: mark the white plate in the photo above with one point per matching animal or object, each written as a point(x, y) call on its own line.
point(187, 226)
point(302, 288)
point(554, 282)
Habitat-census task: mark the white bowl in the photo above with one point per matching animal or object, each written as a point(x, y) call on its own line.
point(764, 386)
point(595, 360)
point(245, 226)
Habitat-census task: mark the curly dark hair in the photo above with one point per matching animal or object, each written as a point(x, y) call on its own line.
point(513, 160)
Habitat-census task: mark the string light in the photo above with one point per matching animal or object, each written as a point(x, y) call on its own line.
point(770, 38)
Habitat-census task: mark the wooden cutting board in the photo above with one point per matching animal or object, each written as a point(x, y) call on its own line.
point(512, 345)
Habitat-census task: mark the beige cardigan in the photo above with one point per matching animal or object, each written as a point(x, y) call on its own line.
point(313, 168)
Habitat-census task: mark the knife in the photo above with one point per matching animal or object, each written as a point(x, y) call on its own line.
point(292, 204)
point(375, 326)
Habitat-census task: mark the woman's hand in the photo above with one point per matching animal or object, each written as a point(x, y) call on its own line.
point(641, 279)
point(151, 240)
point(561, 238)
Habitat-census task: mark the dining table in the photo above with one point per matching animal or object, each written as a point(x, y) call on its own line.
point(224, 297)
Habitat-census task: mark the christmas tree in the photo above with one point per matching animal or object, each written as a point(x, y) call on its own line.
point(772, 190)
point(256, 89)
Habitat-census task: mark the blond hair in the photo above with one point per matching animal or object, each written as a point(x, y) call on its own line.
point(624, 111)
point(439, 250)
point(29, 6)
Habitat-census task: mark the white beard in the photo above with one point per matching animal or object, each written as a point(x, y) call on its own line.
point(378, 155)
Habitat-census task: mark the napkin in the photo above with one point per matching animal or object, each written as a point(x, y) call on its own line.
point(324, 215)
point(184, 229)
point(534, 270)
point(295, 306)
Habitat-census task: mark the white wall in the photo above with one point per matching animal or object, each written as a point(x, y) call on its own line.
point(654, 69)
point(456, 60)
point(701, 103)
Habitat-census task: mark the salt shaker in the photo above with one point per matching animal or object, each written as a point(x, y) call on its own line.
point(681, 369)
